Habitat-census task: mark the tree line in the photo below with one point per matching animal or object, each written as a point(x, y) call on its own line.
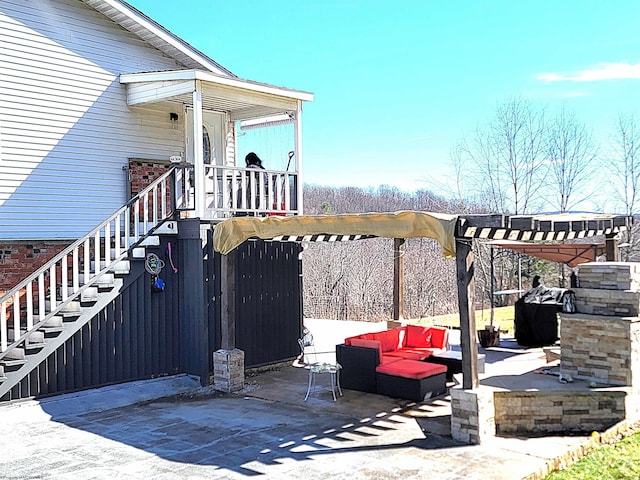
point(523, 160)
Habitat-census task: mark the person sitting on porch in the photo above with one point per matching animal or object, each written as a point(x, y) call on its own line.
point(254, 184)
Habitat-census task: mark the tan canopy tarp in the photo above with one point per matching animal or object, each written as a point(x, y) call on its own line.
point(573, 254)
point(230, 233)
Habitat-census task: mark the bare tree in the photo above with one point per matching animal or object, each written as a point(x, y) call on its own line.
point(506, 156)
point(625, 165)
point(571, 155)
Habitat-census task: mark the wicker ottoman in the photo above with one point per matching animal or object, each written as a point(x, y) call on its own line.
point(411, 379)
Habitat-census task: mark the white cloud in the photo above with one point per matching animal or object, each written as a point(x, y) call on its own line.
point(610, 71)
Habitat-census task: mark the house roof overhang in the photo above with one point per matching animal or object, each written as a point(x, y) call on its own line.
point(156, 35)
point(242, 99)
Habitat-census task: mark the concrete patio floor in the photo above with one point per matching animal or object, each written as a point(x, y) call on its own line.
point(171, 428)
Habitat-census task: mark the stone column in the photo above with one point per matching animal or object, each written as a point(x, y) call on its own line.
point(472, 415)
point(228, 370)
point(228, 362)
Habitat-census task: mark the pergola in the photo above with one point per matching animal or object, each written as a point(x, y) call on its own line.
point(455, 233)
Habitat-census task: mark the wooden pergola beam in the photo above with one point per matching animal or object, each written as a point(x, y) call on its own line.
point(466, 307)
point(398, 278)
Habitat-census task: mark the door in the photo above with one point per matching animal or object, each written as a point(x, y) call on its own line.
point(212, 137)
point(213, 148)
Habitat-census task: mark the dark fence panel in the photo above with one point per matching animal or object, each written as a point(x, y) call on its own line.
point(135, 337)
point(268, 301)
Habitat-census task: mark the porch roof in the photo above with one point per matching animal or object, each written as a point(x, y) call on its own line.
point(242, 99)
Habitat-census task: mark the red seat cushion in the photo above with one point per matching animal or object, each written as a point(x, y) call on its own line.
point(414, 353)
point(411, 369)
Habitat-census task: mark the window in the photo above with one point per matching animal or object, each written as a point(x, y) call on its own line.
point(206, 146)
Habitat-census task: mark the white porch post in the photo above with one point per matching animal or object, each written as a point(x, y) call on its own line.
point(198, 159)
point(298, 148)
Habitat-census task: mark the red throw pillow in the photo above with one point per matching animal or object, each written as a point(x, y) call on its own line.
point(359, 342)
point(439, 337)
point(418, 336)
point(391, 339)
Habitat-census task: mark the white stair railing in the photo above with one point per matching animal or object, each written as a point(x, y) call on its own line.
point(25, 307)
point(231, 190)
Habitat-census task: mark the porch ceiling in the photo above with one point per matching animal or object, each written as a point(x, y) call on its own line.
point(242, 99)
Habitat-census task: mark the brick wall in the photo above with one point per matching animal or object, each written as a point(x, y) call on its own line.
point(558, 412)
point(143, 172)
point(19, 259)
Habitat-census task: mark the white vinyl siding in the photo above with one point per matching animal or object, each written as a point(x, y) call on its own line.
point(65, 128)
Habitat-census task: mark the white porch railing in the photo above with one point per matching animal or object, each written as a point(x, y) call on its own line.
point(46, 292)
point(233, 191)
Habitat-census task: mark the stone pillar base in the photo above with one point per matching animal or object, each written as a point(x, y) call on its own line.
point(472, 415)
point(228, 370)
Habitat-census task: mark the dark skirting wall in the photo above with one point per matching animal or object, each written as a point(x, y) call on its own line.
point(133, 338)
point(143, 334)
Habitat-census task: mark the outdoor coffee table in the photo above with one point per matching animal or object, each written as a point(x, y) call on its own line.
point(321, 368)
point(452, 359)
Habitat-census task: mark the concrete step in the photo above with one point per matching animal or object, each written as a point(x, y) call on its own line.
point(2, 375)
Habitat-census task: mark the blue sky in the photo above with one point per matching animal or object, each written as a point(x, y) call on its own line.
point(397, 83)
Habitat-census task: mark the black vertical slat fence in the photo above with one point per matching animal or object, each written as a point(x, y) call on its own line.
point(268, 309)
point(139, 335)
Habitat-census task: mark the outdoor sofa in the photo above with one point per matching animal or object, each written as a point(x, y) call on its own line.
point(392, 362)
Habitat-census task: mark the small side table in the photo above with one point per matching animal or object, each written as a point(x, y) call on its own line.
point(453, 361)
point(334, 373)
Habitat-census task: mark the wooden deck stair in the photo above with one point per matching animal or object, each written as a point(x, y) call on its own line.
point(52, 304)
